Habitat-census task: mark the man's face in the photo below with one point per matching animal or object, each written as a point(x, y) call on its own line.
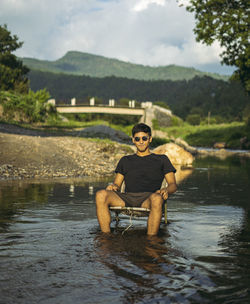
point(142, 141)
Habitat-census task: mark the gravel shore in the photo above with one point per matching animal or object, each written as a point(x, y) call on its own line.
point(37, 154)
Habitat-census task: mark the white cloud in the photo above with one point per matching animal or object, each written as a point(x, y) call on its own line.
point(143, 4)
point(149, 32)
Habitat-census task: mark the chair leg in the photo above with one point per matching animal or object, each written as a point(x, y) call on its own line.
point(117, 219)
point(165, 212)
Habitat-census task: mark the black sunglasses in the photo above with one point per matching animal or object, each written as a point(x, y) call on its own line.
point(144, 138)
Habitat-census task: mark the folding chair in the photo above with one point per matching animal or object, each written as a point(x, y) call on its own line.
point(135, 212)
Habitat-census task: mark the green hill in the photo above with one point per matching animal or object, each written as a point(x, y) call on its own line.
point(77, 63)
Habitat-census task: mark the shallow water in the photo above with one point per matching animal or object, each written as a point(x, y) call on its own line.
point(52, 251)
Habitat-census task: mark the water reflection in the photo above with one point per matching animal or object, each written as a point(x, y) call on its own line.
point(52, 251)
point(131, 262)
point(18, 196)
point(151, 270)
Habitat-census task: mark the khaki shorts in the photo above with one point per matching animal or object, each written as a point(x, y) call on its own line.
point(132, 199)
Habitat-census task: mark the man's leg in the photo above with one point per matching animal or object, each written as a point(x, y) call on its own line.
point(154, 203)
point(104, 199)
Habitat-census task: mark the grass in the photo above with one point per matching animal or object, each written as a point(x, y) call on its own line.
point(199, 136)
point(109, 145)
point(72, 124)
point(207, 135)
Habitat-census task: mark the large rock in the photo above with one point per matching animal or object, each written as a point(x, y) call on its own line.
point(182, 143)
point(102, 131)
point(176, 154)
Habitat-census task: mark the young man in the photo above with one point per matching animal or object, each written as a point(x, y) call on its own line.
point(143, 174)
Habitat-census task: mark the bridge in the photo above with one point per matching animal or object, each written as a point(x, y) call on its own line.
point(147, 112)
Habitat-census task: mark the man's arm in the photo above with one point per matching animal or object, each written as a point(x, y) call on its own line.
point(171, 188)
point(117, 183)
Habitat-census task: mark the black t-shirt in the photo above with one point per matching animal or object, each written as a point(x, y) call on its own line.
point(144, 174)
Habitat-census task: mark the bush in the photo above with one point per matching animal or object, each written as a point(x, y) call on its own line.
point(155, 124)
point(176, 121)
point(217, 119)
point(30, 107)
point(157, 141)
point(162, 104)
point(193, 119)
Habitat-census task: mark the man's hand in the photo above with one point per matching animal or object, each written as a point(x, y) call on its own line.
point(113, 187)
point(163, 192)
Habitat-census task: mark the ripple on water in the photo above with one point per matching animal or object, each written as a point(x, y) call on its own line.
point(51, 250)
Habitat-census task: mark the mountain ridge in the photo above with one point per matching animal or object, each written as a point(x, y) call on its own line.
point(79, 63)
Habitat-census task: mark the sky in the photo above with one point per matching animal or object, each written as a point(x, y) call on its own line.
point(148, 32)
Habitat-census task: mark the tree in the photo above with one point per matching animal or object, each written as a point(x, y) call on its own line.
point(12, 71)
point(226, 21)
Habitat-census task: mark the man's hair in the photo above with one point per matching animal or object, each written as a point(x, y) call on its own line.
point(141, 127)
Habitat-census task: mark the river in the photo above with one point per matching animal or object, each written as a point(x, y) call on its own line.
point(52, 251)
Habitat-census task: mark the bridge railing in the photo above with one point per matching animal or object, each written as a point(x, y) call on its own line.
point(111, 104)
point(96, 105)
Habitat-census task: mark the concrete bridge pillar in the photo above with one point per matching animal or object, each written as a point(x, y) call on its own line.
point(131, 103)
point(92, 101)
point(73, 101)
point(111, 102)
point(149, 114)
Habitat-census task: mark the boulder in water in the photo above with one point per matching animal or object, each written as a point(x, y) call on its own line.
point(176, 154)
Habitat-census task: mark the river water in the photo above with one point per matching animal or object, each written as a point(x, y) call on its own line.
point(52, 251)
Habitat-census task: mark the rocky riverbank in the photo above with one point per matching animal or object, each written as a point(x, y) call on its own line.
point(29, 156)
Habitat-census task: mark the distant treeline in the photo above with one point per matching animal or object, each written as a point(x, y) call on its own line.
point(202, 95)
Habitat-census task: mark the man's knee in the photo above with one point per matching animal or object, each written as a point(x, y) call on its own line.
point(156, 201)
point(156, 197)
point(101, 196)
